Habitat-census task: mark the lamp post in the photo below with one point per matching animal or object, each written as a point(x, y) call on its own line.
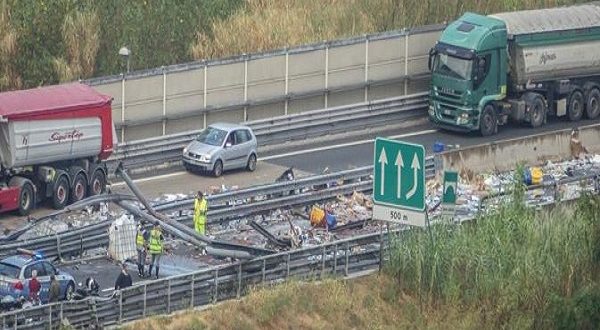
point(125, 53)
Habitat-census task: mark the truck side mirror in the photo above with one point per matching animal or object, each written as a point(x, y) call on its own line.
point(432, 53)
point(228, 145)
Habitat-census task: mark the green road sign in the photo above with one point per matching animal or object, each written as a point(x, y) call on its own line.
point(450, 183)
point(399, 175)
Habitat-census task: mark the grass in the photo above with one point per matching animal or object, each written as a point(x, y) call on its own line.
point(81, 33)
point(44, 42)
point(9, 75)
point(266, 24)
point(517, 268)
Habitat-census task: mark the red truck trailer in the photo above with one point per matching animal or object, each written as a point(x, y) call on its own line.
point(53, 141)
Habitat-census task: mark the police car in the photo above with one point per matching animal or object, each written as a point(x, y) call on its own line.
point(15, 272)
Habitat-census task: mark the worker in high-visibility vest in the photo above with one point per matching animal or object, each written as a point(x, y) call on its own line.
point(141, 245)
point(155, 247)
point(200, 209)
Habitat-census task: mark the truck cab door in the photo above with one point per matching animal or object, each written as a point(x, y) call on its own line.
point(486, 74)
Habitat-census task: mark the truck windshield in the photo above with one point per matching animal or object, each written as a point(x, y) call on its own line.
point(453, 66)
point(212, 136)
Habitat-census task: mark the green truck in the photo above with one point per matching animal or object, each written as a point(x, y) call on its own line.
point(519, 67)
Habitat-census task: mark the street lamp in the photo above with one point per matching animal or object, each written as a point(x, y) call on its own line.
point(125, 53)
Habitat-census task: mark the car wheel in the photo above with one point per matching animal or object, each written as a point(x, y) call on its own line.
point(188, 167)
point(69, 293)
point(98, 184)
point(26, 199)
point(251, 166)
point(218, 169)
point(60, 195)
point(488, 124)
point(79, 188)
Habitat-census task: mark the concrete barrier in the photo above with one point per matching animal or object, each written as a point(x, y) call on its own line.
point(507, 154)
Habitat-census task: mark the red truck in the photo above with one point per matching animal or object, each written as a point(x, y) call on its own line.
point(53, 141)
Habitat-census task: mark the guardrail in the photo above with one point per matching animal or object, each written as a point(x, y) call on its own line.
point(303, 191)
point(255, 200)
point(341, 258)
point(277, 130)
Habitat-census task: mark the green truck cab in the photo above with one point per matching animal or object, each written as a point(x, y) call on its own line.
point(518, 67)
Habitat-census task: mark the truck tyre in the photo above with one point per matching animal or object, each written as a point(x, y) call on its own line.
point(575, 105)
point(488, 122)
point(79, 188)
point(26, 199)
point(60, 195)
point(98, 183)
point(537, 112)
point(592, 104)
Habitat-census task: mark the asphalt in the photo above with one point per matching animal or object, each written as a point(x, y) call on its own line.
point(352, 156)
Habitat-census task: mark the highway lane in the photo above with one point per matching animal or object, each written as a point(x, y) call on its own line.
point(344, 153)
point(360, 153)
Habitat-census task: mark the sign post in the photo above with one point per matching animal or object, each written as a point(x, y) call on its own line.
point(449, 194)
point(399, 182)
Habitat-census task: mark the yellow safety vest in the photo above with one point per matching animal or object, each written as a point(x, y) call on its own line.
point(200, 209)
point(155, 242)
point(139, 239)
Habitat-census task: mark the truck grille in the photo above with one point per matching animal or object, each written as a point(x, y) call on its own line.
point(448, 111)
point(448, 94)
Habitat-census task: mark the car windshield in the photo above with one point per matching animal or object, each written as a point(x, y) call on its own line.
point(453, 66)
point(9, 270)
point(212, 136)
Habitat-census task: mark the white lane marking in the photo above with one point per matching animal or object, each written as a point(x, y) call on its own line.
point(343, 145)
point(152, 178)
point(294, 153)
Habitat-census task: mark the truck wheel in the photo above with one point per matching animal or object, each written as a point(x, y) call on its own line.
point(488, 123)
point(98, 183)
point(79, 188)
point(575, 106)
point(26, 199)
point(592, 104)
point(537, 112)
point(60, 194)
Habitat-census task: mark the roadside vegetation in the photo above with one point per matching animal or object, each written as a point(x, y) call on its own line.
point(515, 268)
point(47, 41)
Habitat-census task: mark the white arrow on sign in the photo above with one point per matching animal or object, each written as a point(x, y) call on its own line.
point(416, 166)
point(383, 162)
point(400, 164)
point(448, 185)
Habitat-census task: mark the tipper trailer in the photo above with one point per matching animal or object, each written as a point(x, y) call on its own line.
point(518, 66)
point(53, 141)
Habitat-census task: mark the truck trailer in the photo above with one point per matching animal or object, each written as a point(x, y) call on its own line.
point(53, 141)
point(517, 66)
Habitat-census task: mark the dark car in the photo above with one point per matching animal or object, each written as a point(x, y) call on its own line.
point(15, 273)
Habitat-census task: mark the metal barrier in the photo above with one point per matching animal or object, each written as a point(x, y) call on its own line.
point(277, 130)
point(180, 97)
point(340, 258)
point(164, 296)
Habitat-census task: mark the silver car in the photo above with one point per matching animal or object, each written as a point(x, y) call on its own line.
point(221, 147)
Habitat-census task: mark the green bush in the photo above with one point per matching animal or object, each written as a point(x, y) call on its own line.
point(514, 265)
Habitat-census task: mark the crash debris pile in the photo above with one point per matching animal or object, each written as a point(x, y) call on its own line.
point(69, 220)
point(472, 189)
